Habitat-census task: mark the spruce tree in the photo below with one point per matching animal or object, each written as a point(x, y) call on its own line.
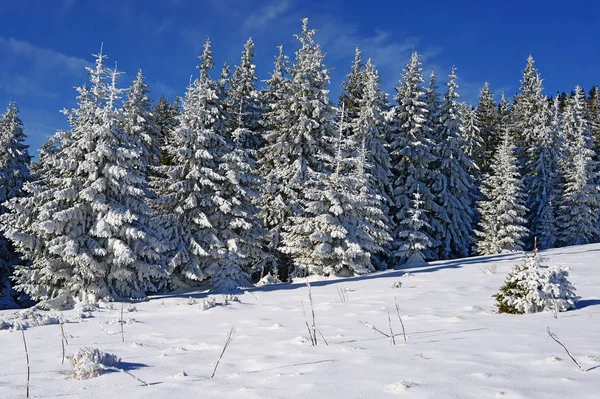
point(139, 119)
point(411, 152)
point(342, 225)
point(473, 144)
point(456, 193)
point(298, 122)
point(503, 223)
point(541, 168)
point(487, 115)
point(14, 173)
point(243, 102)
point(369, 126)
point(578, 216)
point(86, 227)
point(353, 87)
point(593, 116)
point(411, 233)
point(205, 196)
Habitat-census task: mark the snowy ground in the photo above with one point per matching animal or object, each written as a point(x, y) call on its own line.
point(457, 347)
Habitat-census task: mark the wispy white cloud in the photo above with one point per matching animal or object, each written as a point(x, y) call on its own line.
point(263, 16)
point(42, 57)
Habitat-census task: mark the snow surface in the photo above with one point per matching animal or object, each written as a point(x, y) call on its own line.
point(457, 347)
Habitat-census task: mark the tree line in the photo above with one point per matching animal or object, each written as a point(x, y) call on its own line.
point(239, 179)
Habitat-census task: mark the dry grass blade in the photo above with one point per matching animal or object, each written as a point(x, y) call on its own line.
point(229, 339)
point(372, 327)
point(391, 331)
point(400, 318)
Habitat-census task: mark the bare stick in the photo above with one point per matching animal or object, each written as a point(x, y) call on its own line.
point(565, 348)
point(26, 357)
point(372, 327)
point(324, 340)
point(63, 341)
point(400, 318)
point(126, 372)
point(391, 331)
point(229, 339)
point(312, 309)
point(122, 335)
point(312, 339)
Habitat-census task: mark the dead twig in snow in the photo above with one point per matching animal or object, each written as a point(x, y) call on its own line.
point(565, 348)
point(400, 318)
point(391, 331)
point(229, 339)
point(63, 340)
point(26, 357)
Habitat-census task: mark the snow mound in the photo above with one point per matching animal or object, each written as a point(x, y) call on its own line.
point(30, 318)
point(89, 363)
point(269, 279)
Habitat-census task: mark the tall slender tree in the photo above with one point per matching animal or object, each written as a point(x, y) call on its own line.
point(411, 152)
point(14, 173)
point(456, 193)
point(301, 120)
point(578, 218)
point(487, 115)
point(503, 223)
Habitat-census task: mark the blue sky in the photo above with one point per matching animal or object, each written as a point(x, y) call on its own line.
point(45, 45)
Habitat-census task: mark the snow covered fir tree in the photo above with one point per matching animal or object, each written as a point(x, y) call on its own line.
point(242, 177)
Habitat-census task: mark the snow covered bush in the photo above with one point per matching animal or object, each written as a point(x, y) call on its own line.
point(531, 287)
point(89, 363)
point(208, 303)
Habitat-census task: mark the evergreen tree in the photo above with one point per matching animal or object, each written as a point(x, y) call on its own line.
point(14, 173)
point(503, 223)
point(412, 158)
point(578, 216)
point(298, 122)
point(593, 116)
point(487, 115)
point(139, 120)
point(86, 227)
point(542, 168)
point(342, 225)
point(473, 144)
point(204, 196)
point(353, 87)
point(243, 102)
point(369, 126)
point(456, 193)
point(432, 99)
point(411, 234)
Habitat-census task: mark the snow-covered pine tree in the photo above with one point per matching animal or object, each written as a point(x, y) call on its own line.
point(578, 215)
point(139, 119)
point(352, 88)
point(14, 173)
point(298, 123)
point(487, 115)
point(527, 105)
point(342, 224)
point(503, 223)
point(456, 193)
point(593, 116)
point(86, 228)
point(542, 167)
point(473, 144)
point(243, 102)
point(369, 126)
point(412, 158)
point(204, 196)
point(411, 233)
point(434, 103)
